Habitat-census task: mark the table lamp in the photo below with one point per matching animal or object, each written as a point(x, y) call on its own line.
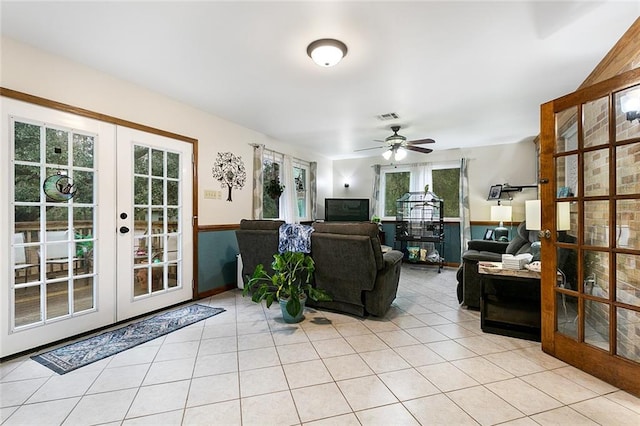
point(501, 214)
point(533, 219)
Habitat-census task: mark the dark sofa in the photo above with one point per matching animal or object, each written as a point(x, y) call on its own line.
point(489, 251)
point(350, 264)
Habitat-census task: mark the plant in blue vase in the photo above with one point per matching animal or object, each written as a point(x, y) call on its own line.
point(290, 284)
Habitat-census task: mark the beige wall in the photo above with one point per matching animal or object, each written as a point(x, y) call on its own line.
point(35, 72)
point(488, 165)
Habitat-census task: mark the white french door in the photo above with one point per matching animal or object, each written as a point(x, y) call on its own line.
point(69, 183)
point(154, 222)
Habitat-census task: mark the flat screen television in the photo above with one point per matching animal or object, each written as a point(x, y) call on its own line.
point(346, 209)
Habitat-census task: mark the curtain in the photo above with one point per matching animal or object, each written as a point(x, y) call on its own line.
point(420, 176)
point(258, 152)
point(465, 215)
point(313, 189)
point(375, 195)
point(288, 200)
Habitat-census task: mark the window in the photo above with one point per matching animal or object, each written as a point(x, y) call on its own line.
point(443, 180)
point(301, 180)
point(273, 175)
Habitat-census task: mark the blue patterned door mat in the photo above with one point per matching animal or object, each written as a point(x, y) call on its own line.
point(75, 355)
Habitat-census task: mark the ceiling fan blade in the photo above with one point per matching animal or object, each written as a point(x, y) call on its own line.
point(367, 149)
point(420, 141)
point(419, 149)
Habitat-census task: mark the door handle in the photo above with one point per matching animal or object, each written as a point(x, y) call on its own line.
point(124, 229)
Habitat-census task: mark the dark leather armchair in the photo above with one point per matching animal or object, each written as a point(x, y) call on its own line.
point(351, 267)
point(489, 251)
point(257, 242)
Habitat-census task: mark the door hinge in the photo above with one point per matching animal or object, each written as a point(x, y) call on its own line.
point(194, 219)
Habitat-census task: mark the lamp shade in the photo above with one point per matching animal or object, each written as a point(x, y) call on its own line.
point(400, 154)
point(327, 52)
point(532, 215)
point(563, 216)
point(387, 154)
point(630, 102)
point(501, 213)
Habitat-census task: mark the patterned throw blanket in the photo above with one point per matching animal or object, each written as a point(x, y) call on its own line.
point(295, 237)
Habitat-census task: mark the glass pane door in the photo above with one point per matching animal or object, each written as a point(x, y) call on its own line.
point(591, 312)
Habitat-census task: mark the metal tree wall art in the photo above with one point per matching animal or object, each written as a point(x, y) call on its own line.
point(229, 171)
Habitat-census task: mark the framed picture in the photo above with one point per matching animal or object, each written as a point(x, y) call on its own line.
point(488, 234)
point(495, 192)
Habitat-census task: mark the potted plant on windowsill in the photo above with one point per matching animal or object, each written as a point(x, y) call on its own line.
point(290, 284)
point(274, 189)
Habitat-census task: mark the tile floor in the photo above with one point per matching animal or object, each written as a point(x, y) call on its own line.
point(426, 362)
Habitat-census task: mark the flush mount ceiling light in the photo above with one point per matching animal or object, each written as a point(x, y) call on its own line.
point(327, 52)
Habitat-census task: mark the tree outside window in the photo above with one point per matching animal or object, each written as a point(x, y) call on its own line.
point(446, 185)
point(396, 184)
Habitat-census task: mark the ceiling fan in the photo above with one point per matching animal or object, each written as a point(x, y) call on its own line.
point(397, 145)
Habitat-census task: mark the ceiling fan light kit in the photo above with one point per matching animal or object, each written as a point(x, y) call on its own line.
point(327, 52)
point(398, 145)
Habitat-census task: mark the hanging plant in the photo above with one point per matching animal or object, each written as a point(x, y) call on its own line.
point(273, 188)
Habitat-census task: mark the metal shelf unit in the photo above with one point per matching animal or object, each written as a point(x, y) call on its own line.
point(420, 228)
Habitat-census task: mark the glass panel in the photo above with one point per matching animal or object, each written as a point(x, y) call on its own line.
point(27, 221)
point(628, 279)
point(627, 224)
point(141, 254)
point(446, 184)
point(595, 122)
point(157, 192)
point(270, 176)
point(84, 187)
point(628, 329)
point(83, 222)
point(57, 147)
point(567, 315)
point(173, 225)
point(173, 192)
point(627, 122)
point(157, 218)
point(57, 299)
point(596, 173)
point(596, 328)
point(83, 294)
point(83, 151)
point(173, 269)
point(157, 278)
point(140, 281)
point(173, 165)
point(27, 305)
point(566, 125)
point(157, 162)
point(27, 142)
point(596, 273)
point(26, 263)
point(141, 190)
point(596, 223)
point(27, 183)
point(567, 259)
point(141, 160)
point(567, 176)
point(627, 165)
point(57, 217)
point(396, 185)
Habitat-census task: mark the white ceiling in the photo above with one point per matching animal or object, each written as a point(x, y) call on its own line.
point(463, 73)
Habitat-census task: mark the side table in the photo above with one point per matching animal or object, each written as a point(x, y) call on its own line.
point(509, 301)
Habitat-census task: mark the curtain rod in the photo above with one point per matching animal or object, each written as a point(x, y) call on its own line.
point(293, 159)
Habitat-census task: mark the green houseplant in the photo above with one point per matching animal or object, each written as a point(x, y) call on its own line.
point(290, 284)
point(273, 188)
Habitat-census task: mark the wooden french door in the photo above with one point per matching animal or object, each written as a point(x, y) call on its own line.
point(590, 192)
point(97, 224)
